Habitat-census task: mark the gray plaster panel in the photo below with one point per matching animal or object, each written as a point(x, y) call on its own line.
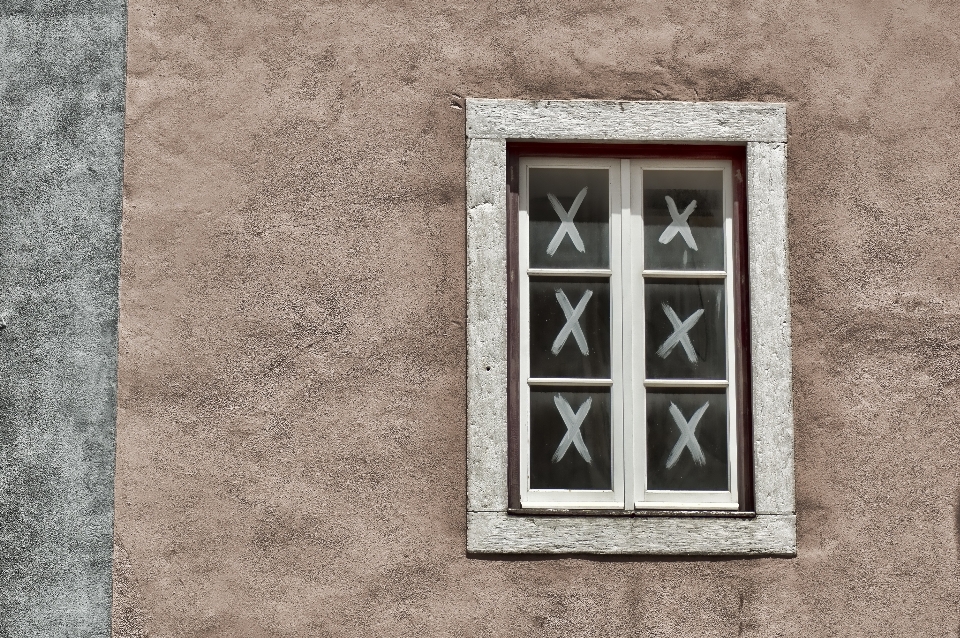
point(770, 328)
point(627, 121)
point(61, 108)
point(490, 532)
point(486, 325)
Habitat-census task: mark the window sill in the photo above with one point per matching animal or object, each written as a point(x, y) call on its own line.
point(506, 533)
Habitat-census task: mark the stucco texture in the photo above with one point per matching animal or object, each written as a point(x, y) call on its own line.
point(291, 426)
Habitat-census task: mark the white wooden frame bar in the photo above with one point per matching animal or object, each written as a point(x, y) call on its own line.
point(685, 274)
point(490, 528)
point(686, 383)
point(569, 381)
point(569, 272)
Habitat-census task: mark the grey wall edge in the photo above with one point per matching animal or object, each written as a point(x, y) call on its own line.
point(62, 114)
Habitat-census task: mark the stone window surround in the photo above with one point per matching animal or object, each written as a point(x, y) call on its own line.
point(762, 128)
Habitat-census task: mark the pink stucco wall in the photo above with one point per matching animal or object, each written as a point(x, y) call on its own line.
point(290, 450)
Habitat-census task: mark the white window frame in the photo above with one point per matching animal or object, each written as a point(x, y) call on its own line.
point(491, 528)
point(633, 298)
point(579, 499)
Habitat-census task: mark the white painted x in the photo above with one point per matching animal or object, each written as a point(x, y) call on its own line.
point(573, 322)
point(688, 436)
point(566, 223)
point(680, 333)
point(573, 423)
point(679, 224)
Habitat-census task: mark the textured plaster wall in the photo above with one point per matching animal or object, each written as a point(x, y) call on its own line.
point(61, 150)
point(291, 408)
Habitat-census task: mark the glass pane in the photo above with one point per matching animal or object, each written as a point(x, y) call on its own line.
point(570, 327)
point(569, 218)
point(685, 329)
point(570, 439)
point(683, 220)
point(687, 440)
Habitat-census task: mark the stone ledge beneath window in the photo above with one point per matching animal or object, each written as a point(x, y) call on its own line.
point(503, 533)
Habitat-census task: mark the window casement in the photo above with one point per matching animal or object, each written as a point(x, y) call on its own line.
point(625, 283)
point(628, 363)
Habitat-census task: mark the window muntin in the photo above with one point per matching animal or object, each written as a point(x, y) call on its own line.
point(626, 275)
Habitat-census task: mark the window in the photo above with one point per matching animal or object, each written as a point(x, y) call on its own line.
point(628, 343)
point(628, 329)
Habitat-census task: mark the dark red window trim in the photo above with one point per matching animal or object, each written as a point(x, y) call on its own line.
point(737, 155)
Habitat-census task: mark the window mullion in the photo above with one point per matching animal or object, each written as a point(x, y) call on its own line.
point(731, 328)
point(638, 332)
point(617, 310)
point(627, 394)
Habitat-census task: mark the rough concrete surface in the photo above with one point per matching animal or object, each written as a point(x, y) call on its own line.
point(61, 149)
point(292, 353)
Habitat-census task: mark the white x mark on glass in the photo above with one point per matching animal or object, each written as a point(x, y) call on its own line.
point(680, 333)
point(573, 423)
point(566, 223)
point(573, 322)
point(679, 224)
point(688, 436)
